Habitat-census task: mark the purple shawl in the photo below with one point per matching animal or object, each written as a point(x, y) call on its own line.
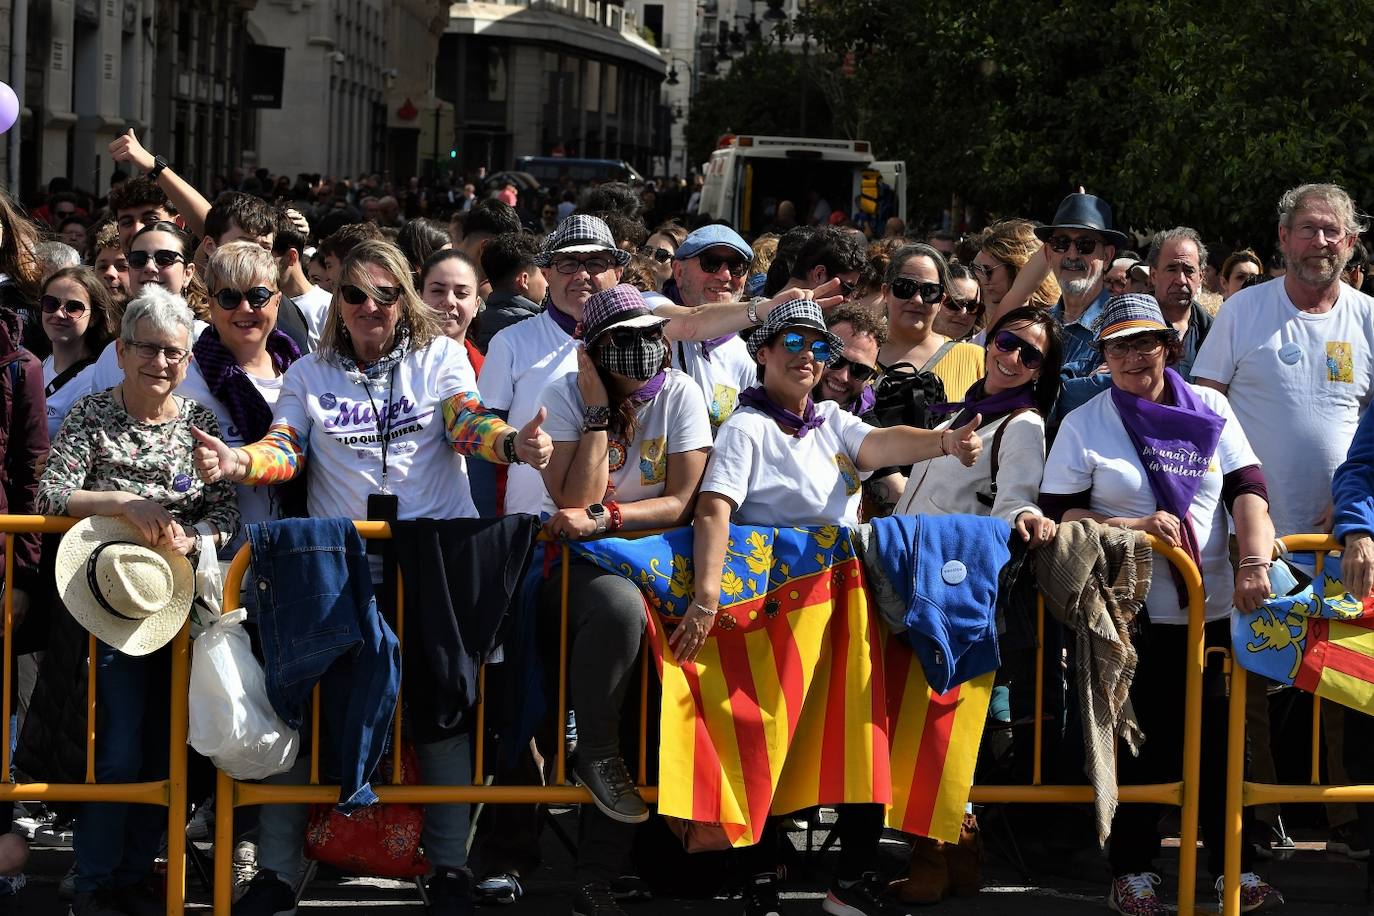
point(232, 387)
point(991, 406)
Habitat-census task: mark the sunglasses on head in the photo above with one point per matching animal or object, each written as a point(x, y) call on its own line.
point(904, 288)
point(971, 306)
point(1061, 244)
point(72, 307)
point(794, 342)
point(257, 297)
point(1006, 341)
point(983, 272)
point(163, 257)
point(625, 338)
point(857, 371)
point(354, 295)
point(712, 263)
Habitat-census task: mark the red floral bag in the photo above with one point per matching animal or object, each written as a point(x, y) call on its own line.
point(380, 841)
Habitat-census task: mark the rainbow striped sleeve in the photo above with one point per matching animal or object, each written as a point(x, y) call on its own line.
point(276, 457)
point(472, 429)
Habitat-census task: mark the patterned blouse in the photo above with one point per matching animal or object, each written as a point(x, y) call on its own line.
point(100, 447)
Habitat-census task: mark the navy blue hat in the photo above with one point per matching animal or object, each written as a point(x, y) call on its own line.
point(710, 237)
point(1083, 211)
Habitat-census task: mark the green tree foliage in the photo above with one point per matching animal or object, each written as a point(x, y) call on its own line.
point(1197, 112)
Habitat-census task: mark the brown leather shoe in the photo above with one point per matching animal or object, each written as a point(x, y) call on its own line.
point(964, 858)
point(928, 878)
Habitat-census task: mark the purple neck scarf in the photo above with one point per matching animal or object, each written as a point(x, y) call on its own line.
point(757, 397)
point(1175, 441)
point(708, 345)
point(230, 384)
point(650, 389)
point(565, 321)
point(864, 402)
point(991, 406)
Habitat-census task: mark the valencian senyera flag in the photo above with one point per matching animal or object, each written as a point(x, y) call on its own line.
point(799, 696)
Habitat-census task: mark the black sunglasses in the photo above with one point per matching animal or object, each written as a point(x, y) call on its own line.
point(257, 297)
point(905, 287)
point(857, 371)
point(661, 255)
point(625, 338)
point(712, 263)
point(1061, 244)
point(971, 306)
point(73, 307)
point(354, 295)
point(1031, 357)
point(163, 257)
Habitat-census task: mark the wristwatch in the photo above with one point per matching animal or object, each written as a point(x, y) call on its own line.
point(597, 513)
point(158, 165)
point(752, 310)
point(596, 419)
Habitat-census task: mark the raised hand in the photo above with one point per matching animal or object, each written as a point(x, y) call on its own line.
point(964, 443)
point(213, 459)
point(532, 445)
point(126, 148)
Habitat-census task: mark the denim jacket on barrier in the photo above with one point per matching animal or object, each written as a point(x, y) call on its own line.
point(318, 623)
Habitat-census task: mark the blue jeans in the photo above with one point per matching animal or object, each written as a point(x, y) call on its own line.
point(281, 828)
point(116, 843)
point(318, 623)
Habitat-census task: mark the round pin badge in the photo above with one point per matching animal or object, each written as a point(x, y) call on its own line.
point(953, 572)
point(1290, 353)
point(328, 401)
point(181, 483)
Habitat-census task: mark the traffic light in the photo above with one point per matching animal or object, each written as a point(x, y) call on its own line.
point(868, 191)
point(453, 154)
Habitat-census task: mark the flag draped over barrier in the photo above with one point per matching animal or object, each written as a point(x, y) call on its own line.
point(799, 697)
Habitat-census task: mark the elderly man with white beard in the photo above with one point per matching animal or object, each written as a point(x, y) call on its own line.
point(1079, 245)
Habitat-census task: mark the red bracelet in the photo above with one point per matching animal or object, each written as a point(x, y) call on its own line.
point(616, 520)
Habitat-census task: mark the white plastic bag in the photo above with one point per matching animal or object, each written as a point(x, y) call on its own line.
point(231, 720)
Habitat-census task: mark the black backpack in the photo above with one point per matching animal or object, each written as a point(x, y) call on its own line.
point(904, 395)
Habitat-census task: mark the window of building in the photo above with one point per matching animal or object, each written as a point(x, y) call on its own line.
point(591, 94)
point(610, 96)
point(653, 21)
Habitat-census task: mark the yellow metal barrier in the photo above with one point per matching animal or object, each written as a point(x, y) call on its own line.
point(169, 792)
point(1183, 794)
point(1239, 792)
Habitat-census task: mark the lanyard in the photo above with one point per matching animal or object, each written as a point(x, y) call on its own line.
point(383, 427)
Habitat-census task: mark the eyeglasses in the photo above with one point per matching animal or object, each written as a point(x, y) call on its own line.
point(1031, 357)
point(625, 338)
point(1061, 244)
point(904, 288)
point(846, 287)
point(150, 351)
point(163, 257)
point(712, 263)
point(592, 266)
point(1331, 234)
point(1144, 344)
point(793, 342)
point(857, 371)
point(971, 306)
point(257, 298)
point(983, 272)
point(354, 295)
point(661, 255)
point(51, 305)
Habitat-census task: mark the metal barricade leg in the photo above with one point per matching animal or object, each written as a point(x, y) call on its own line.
point(224, 843)
point(1192, 753)
point(1235, 792)
point(176, 776)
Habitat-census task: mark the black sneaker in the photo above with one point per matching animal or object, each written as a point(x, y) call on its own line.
point(862, 898)
point(631, 889)
point(97, 903)
point(267, 895)
point(612, 789)
point(500, 888)
point(595, 899)
point(1348, 840)
point(450, 892)
point(761, 895)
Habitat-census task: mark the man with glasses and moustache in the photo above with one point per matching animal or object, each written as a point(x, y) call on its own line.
point(1079, 246)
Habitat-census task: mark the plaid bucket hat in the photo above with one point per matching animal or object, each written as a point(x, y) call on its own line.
point(579, 234)
point(798, 313)
point(1130, 314)
point(621, 306)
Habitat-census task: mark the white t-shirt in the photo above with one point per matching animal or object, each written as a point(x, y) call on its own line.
point(256, 503)
point(332, 411)
point(1298, 384)
point(61, 400)
point(107, 372)
point(522, 361)
point(721, 378)
point(314, 306)
point(673, 422)
point(780, 480)
point(1093, 452)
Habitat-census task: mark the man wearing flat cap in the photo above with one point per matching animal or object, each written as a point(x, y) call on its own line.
point(1080, 244)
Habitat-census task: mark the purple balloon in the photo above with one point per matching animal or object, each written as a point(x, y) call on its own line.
point(9, 107)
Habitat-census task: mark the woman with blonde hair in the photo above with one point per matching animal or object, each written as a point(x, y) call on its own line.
point(1005, 248)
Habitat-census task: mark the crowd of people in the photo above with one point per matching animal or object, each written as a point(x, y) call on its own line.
point(180, 366)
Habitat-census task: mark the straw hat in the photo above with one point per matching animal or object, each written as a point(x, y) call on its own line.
point(131, 596)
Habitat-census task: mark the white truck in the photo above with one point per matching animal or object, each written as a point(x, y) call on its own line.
point(748, 176)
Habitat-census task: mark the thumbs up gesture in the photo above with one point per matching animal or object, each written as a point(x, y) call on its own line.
point(213, 459)
point(964, 443)
point(126, 148)
point(532, 445)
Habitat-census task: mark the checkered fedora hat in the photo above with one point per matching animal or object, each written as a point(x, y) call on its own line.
point(580, 234)
point(1130, 314)
point(797, 313)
